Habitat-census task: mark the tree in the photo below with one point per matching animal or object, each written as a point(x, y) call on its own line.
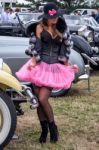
point(68, 3)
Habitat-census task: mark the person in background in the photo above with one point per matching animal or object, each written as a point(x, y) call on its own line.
point(12, 16)
point(78, 13)
point(97, 16)
point(5, 16)
point(17, 10)
point(93, 14)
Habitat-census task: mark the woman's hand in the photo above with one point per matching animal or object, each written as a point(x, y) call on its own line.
point(76, 68)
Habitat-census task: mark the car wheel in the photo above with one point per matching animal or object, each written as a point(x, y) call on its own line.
point(8, 119)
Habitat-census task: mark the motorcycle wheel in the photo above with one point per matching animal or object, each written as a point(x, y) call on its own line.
point(8, 119)
point(59, 92)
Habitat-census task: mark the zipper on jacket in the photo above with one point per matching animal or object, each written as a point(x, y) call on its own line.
point(51, 52)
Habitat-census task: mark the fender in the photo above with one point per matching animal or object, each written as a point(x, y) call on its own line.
point(81, 45)
point(7, 80)
point(6, 68)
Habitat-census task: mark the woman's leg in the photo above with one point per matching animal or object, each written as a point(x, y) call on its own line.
point(40, 111)
point(44, 94)
point(42, 118)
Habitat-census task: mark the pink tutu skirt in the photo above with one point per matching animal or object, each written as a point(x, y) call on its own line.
point(56, 76)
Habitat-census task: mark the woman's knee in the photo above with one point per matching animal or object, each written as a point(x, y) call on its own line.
point(42, 100)
point(44, 94)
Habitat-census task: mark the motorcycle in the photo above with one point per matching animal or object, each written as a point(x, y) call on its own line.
point(12, 92)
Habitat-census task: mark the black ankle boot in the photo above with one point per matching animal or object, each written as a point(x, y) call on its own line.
point(53, 132)
point(44, 126)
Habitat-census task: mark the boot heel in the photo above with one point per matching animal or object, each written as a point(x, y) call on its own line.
point(53, 132)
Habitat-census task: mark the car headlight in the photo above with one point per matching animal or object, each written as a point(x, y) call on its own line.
point(89, 36)
point(82, 30)
point(1, 64)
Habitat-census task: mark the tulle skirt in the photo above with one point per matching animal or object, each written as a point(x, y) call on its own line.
point(56, 76)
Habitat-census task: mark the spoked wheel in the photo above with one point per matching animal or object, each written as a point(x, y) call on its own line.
point(8, 119)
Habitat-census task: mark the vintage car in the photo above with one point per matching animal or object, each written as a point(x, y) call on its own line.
point(75, 22)
point(12, 50)
point(84, 12)
point(18, 25)
point(90, 21)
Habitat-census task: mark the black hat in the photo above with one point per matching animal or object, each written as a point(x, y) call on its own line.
point(50, 11)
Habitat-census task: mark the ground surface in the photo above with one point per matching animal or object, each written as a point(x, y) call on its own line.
point(77, 117)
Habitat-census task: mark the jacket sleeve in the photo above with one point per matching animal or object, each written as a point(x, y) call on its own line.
point(66, 47)
point(34, 48)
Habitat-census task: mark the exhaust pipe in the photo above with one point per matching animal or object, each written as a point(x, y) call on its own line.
point(32, 98)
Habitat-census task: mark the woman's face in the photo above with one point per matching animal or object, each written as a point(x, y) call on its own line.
point(52, 21)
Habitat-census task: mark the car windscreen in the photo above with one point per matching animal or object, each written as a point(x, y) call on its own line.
point(26, 17)
point(75, 20)
point(91, 21)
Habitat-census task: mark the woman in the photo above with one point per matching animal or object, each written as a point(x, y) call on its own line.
point(48, 67)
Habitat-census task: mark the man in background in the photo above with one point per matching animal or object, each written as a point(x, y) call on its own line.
point(97, 16)
point(5, 16)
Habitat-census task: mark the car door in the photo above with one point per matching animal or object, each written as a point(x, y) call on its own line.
point(12, 50)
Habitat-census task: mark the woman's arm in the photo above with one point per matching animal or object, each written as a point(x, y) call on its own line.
point(68, 43)
point(66, 47)
point(35, 44)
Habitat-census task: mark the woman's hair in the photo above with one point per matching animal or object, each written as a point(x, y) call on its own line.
point(60, 26)
point(45, 21)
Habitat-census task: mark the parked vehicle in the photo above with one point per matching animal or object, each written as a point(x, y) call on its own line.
point(12, 93)
point(85, 39)
point(82, 46)
point(84, 26)
point(13, 53)
point(84, 11)
point(17, 28)
point(91, 22)
point(75, 22)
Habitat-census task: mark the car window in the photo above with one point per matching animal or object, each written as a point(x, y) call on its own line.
point(72, 19)
point(91, 21)
point(25, 17)
point(36, 16)
point(94, 22)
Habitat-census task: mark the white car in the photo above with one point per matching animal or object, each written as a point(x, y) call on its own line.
point(84, 11)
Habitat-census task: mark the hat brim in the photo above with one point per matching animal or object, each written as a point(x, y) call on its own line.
point(49, 16)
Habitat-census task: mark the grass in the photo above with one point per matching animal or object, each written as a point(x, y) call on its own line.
point(77, 117)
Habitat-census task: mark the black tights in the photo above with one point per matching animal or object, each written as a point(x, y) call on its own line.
point(44, 110)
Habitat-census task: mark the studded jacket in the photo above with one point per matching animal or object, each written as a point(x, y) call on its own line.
point(51, 50)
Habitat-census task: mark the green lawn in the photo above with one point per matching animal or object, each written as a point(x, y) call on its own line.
point(77, 117)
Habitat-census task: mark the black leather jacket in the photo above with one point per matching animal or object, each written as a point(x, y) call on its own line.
point(51, 50)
